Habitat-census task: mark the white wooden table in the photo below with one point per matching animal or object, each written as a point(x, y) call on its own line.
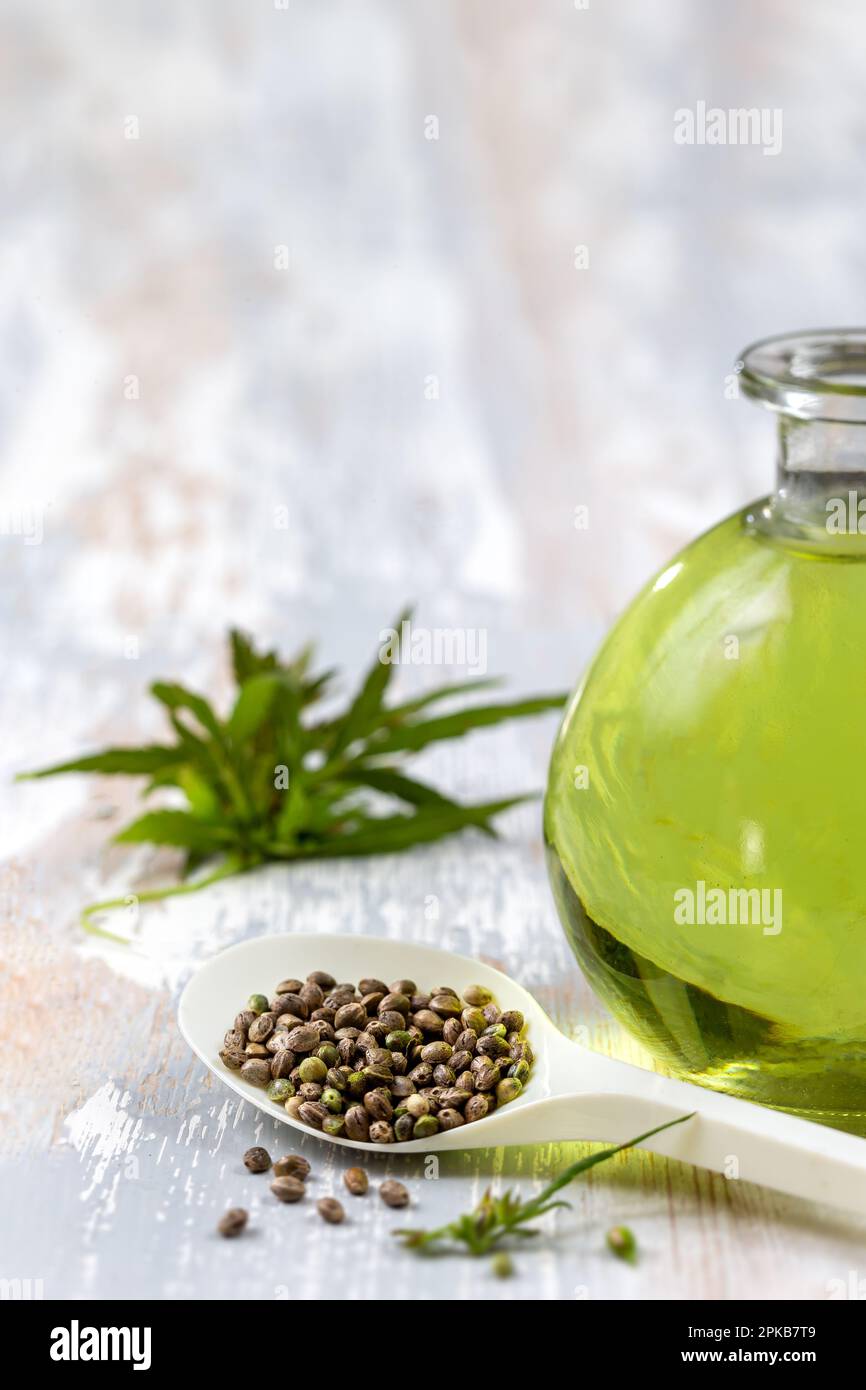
point(195, 436)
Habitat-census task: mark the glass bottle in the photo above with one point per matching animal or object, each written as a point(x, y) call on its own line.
point(705, 817)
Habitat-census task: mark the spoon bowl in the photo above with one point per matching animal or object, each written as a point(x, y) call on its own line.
point(221, 986)
point(571, 1094)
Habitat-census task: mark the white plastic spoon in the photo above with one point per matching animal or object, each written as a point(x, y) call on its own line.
point(572, 1093)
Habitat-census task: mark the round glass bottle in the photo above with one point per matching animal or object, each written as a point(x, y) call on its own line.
point(705, 816)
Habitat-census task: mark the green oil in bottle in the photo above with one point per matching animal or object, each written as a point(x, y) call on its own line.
point(705, 817)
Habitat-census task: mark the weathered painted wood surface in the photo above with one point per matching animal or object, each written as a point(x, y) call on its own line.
point(272, 355)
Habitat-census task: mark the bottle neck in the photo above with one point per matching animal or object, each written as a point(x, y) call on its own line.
point(820, 483)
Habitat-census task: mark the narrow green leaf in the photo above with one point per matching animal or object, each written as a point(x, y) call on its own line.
point(388, 717)
point(246, 660)
point(496, 1219)
point(391, 782)
point(365, 707)
point(177, 697)
point(414, 736)
point(584, 1164)
point(131, 762)
point(293, 811)
point(387, 834)
point(253, 705)
point(199, 791)
point(314, 689)
point(208, 757)
point(396, 713)
point(298, 667)
point(328, 809)
point(177, 828)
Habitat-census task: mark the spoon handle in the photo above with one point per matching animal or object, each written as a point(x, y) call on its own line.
point(733, 1137)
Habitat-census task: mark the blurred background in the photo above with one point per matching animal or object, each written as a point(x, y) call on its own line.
point(309, 308)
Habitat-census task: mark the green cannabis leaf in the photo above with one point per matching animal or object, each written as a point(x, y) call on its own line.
point(496, 1218)
point(271, 781)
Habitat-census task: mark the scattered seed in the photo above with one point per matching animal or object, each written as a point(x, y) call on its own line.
point(257, 1160)
point(292, 1166)
point(330, 1210)
point(622, 1242)
point(288, 1189)
point(356, 1181)
point(232, 1222)
point(394, 1194)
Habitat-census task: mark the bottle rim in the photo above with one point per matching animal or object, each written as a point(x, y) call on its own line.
point(817, 374)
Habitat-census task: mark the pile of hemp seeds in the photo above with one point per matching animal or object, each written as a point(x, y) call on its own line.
point(380, 1063)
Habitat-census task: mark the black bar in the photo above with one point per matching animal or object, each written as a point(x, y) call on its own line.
point(206, 1338)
